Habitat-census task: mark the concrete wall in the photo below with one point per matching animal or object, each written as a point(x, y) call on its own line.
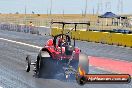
point(99, 37)
point(26, 29)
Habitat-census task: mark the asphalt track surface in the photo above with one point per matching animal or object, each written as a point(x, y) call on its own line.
point(12, 62)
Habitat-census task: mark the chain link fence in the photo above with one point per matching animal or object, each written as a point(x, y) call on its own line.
point(21, 23)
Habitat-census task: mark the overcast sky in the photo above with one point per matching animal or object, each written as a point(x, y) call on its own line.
point(69, 6)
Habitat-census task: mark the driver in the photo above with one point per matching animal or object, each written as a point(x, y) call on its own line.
point(61, 41)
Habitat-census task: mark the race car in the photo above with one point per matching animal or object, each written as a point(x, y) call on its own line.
point(59, 56)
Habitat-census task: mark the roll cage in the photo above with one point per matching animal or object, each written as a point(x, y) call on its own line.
point(68, 39)
point(63, 28)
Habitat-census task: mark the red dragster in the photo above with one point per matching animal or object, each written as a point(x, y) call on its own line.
point(58, 56)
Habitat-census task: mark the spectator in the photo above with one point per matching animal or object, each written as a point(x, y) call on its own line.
point(31, 27)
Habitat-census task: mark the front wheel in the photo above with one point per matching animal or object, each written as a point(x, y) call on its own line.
point(28, 61)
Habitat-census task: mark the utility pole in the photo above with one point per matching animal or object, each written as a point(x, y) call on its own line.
point(25, 9)
point(51, 3)
point(86, 7)
point(63, 12)
point(108, 6)
point(120, 6)
point(82, 12)
point(98, 7)
point(25, 16)
point(47, 12)
point(93, 10)
point(25, 12)
point(101, 6)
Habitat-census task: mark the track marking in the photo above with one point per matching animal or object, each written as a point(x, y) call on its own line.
point(117, 59)
point(21, 43)
point(113, 72)
point(100, 68)
point(112, 65)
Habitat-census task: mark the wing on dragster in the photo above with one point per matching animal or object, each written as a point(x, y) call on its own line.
point(87, 23)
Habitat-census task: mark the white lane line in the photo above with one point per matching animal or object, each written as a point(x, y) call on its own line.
point(21, 43)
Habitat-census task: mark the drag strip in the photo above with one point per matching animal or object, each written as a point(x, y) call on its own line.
point(12, 63)
point(119, 66)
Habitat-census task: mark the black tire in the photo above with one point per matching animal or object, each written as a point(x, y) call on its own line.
point(28, 61)
point(81, 80)
point(40, 64)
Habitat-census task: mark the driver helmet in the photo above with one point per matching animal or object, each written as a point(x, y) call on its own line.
point(50, 42)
